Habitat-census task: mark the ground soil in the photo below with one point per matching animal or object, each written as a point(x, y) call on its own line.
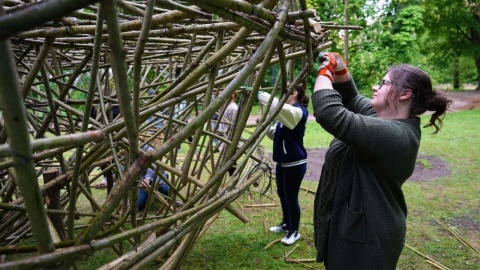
point(466, 100)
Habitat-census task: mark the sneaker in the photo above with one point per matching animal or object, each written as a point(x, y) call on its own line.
point(279, 228)
point(290, 238)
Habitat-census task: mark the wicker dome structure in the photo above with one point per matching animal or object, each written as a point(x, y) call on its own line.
point(93, 90)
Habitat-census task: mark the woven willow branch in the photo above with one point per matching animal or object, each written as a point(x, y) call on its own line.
point(93, 92)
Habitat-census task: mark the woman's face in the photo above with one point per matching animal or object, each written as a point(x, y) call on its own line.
point(380, 102)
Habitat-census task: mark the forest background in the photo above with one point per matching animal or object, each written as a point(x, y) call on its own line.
point(441, 37)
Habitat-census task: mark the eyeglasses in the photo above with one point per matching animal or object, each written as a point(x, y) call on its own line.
point(382, 82)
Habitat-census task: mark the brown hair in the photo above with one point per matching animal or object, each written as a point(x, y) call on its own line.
point(424, 97)
point(301, 96)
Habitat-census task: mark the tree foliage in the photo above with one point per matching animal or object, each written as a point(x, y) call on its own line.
point(452, 42)
point(440, 37)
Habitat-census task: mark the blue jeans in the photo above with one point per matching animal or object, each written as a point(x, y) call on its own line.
point(288, 181)
point(143, 195)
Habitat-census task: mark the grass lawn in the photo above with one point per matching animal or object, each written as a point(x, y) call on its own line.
point(453, 200)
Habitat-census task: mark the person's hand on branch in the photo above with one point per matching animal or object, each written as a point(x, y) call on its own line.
point(331, 64)
point(327, 67)
point(341, 68)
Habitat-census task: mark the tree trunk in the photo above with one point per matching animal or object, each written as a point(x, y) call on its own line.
point(477, 63)
point(476, 40)
point(456, 74)
point(345, 49)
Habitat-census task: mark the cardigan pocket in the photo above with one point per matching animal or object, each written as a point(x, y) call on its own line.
point(352, 225)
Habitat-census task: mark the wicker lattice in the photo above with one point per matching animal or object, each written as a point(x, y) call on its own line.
point(106, 89)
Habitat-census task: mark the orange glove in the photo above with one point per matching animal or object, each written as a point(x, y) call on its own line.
point(327, 65)
point(331, 64)
point(341, 67)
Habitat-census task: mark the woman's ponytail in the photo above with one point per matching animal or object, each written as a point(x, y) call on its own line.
point(439, 104)
point(301, 95)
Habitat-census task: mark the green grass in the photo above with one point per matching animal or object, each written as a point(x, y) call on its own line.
point(231, 244)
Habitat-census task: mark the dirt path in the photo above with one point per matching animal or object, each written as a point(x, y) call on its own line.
point(466, 100)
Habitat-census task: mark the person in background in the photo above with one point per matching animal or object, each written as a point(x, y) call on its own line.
point(149, 178)
point(359, 210)
point(214, 122)
point(291, 158)
point(159, 122)
point(225, 124)
point(112, 112)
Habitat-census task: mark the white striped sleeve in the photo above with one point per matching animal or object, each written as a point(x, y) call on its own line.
point(289, 116)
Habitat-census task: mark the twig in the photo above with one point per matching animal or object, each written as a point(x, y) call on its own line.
point(260, 205)
point(302, 262)
point(271, 198)
point(308, 190)
point(240, 205)
point(299, 260)
point(460, 238)
point(436, 265)
point(291, 251)
point(428, 259)
point(272, 243)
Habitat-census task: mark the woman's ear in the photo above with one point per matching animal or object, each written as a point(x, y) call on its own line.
point(407, 93)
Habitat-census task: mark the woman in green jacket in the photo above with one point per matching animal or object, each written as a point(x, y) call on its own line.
point(360, 211)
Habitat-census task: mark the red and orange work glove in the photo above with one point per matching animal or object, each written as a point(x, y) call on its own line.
point(331, 64)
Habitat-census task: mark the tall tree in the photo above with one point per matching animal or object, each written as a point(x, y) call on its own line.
point(389, 37)
point(359, 12)
point(454, 35)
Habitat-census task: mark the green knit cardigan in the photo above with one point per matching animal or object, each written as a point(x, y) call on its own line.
point(368, 219)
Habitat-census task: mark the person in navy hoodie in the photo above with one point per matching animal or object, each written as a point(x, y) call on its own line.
point(290, 156)
point(149, 177)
